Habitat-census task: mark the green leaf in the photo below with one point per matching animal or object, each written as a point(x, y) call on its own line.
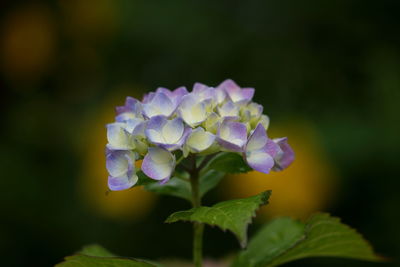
point(285, 240)
point(96, 250)
point(233, 215)
point(95, 255)
point(175, 187)
point(229, 162)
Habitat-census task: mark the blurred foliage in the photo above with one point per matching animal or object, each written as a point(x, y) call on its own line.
point(65, 64)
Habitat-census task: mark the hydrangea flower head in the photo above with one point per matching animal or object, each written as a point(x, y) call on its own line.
point(206, 120)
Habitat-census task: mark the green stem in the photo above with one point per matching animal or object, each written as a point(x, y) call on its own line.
point(198, 228)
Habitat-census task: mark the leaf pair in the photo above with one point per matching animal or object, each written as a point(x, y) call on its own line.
point(283, 239)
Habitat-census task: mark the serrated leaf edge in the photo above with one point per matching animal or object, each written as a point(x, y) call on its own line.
point(264, 200)
point(307, 229)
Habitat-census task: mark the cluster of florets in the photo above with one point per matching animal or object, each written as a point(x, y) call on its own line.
point(205, 121)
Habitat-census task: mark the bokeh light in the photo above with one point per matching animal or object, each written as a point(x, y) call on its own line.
point(28, 44)
point(132, 204)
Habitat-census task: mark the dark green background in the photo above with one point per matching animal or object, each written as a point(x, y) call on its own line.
point(335, 63)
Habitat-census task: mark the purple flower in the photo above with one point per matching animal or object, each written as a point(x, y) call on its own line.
point(158, 164)
point(169, 134)
point(202, 92)
point(260, 150)
point(121, 168)
point(205, 121)
point(118, 137)
point(193, 110)
point(284, 156)
point(176, 95)
point(159, 104)
point(235, 93)
point(232, 135)
point(229, 109)
point(132, 109)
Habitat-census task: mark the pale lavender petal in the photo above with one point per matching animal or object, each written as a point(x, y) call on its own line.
point(117, 163)
point(186, 132)
point(255, 109)
point(124, 117)
point(203, 92)
point(148, 97)
point(192, 110)
point(122, 182)
point(235, 93)
point(180, 92)
point(219, 96)
point(158, 164)
point(154, 127)
point(118, 137)
point(173, 128)
point(260, 161)
point(229, 109)
point(228, 85)
point(132, 109)
point(199, 140)
point(165, 91)
point(139, 130)
point(232, 135)
point(131, 105)
point(169, 134)
point(260, 150)
point(160, 104)
point(156, 122)
point(131, 124)
point(199, 87)
point(247, 93)
point(120, 166)
point(176, 95)
point(258, 139)
point(285, 156)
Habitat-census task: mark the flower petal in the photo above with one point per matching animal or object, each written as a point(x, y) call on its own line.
point(202, 92)
point(260, 161)
point(258, 139)
point(192, 111)
point(260, 150)
point(158, 164)
point(169, 134)
point(212, 123)
point(172, 131)
point(264, 120)
point(117, 164)
point(121, 167)
point(199, 140)
point(285, 156)
point(235, 93)
point(160, 104)
point(122, 182)
point(176, 95)
point(229, 109)
point(219, 96)
point(132, 109)
point(118, 137)
point(232, 135)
